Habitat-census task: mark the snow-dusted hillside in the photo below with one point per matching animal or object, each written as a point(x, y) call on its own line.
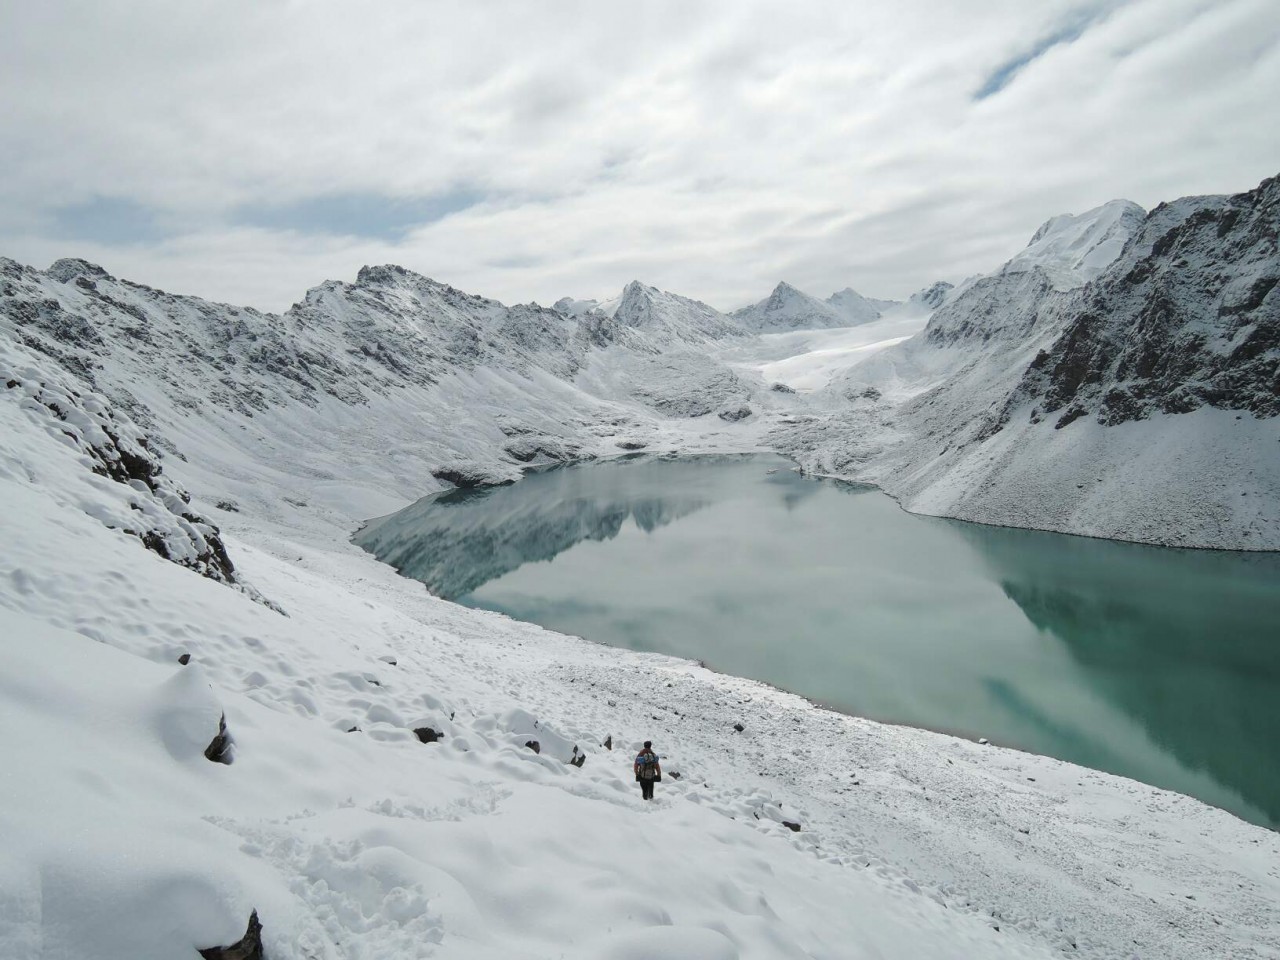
point(383, 798)
point(399, 377)
point(181, 478)
point(1137, 401)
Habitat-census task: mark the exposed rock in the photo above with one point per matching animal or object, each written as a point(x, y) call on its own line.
point(221, 748)
point(739, 727)
point(791, 825)
point(1189, 316)
point(542, 450)
point(184, 659)
point(631, 444)
point(159, 512)
point(578, 759)
point(735, 414)
point(426, 734)
point(468, 475)
point(608, 742)
point(248, 947)
point(72, 268)
point(534, 745)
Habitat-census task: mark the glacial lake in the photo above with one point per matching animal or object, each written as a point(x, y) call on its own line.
point(1158, 664)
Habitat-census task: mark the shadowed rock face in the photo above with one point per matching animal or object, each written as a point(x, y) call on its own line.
point(1189, 316)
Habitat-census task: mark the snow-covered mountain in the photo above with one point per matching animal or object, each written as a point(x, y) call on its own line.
point(932, 296)
point(1118, 378)
point(1072, 250)
point(668, 316)
point(470, 389)
point(787, 308)
point(179, 480)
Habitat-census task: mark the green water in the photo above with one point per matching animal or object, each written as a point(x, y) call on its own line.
point(1160, 665)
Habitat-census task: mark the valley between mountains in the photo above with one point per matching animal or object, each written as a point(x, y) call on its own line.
point(180, 480)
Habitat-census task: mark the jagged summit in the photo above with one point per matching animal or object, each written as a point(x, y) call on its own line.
point(394, 275)
point(670, 316)
point(789, 308)
point(69, 268)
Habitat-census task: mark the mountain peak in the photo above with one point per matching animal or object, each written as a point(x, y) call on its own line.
point(1072, 249)
point(388, 274)
point(69, 268)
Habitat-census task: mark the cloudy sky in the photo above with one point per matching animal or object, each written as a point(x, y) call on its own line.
point(527, 150)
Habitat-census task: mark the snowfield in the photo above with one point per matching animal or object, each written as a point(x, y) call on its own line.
point(383, 799)
point(125, 841)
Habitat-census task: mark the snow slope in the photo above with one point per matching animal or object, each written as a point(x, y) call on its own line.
point(352, 838)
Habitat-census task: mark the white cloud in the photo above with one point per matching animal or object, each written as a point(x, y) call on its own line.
point(708, 148)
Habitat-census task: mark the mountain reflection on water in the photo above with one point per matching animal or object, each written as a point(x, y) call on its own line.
point(1161, 665)
point(1186, 642)
point(457, 541)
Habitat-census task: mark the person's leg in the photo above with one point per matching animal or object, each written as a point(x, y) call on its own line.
point(646, 789)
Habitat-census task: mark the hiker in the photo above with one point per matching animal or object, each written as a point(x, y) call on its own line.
point(648, 770)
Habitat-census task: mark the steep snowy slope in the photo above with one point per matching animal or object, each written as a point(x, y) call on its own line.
point(1140, 404)
point(427, 380)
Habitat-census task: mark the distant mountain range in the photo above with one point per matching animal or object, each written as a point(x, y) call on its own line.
point(786, 308)
point(1118, 377)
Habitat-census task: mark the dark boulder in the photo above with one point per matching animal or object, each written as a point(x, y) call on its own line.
point(248, 947)
point(221, 747)
point(426, 735)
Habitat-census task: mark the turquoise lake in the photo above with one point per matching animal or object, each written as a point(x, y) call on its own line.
point(1157, 664)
